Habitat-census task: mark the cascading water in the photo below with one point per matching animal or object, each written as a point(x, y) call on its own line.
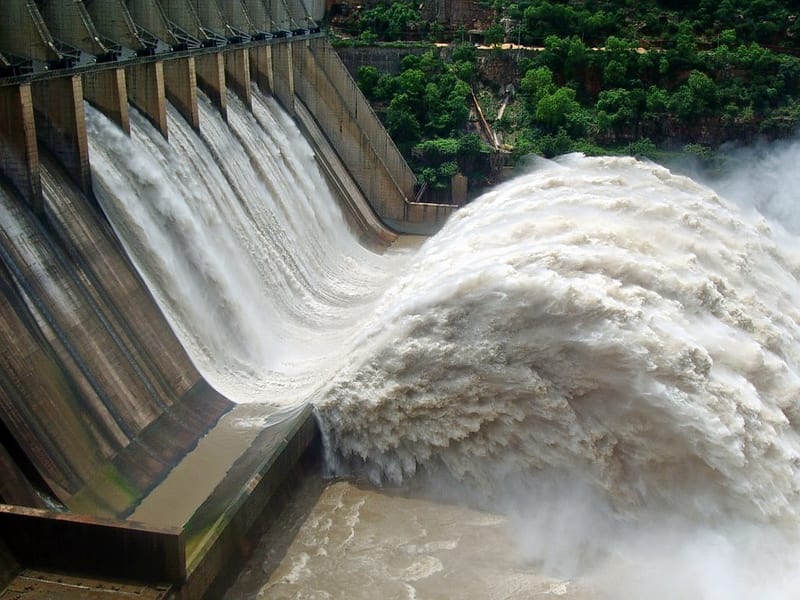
point(605, 350)
point(239, 239)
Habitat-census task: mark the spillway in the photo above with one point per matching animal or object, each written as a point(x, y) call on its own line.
point(241, 241)
point(587, 385)
point(258, 284)
point(601, 358)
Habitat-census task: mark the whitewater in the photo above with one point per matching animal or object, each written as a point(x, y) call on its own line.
point(603, 351)
point(241, 243)
point(600, 315)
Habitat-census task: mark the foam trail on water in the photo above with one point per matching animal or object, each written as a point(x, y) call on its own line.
point(241, 243)
point(598, 316)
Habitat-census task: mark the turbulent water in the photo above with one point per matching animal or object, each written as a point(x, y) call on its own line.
point(600, 316)
point(605, 351)
point(241, 242)
point(611, 354)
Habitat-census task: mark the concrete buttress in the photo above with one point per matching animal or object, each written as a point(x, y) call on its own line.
point(181, 84)
point(145, 82)
point(237, 74)
point(19, 155)
point(283, 75)
point(211, 79)
point(261, 68)
point(61, 125)
point(107, 91)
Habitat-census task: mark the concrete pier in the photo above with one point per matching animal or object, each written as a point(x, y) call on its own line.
point(237, 74)
point(261, 68)
point(108, 92)
point(181, 84)
point(283, 75)
point(145, 84)
point(61, 127)
point(211, 79)
point(19, 154)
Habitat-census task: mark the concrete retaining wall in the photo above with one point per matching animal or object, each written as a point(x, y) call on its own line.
point(361, 112)
point(386, 60)
point(215, 534)
point(323, 84)
point(103, 547)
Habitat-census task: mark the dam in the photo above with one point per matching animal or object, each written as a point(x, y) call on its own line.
point(104, 402)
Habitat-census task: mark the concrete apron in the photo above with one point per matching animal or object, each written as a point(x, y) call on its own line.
point(190, 532)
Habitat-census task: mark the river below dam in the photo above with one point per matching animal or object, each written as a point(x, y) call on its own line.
point(587, 385)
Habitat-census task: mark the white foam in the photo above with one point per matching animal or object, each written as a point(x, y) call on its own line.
point(598, 316)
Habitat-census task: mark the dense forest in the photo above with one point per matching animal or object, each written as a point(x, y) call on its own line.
point(646, 78)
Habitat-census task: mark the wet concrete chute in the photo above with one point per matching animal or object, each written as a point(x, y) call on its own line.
point(129, 453)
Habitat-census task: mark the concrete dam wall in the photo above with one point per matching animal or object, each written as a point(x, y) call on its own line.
point(98, 399)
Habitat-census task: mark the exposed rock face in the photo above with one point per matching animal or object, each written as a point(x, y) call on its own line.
point(466, 13)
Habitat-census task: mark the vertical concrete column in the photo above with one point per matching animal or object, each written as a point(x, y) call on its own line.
point(237, 74)
point(283, 75)
point(146, 92)
point(211, 79)
point(19, 155)
point(61, 125)
point(108, 92)
point(261, 67)
point(181, 82)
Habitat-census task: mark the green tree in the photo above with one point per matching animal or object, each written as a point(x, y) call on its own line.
point(614, 74)
point(535, 84)
point(368, 78)
point(695, 98)
point(568, 56)
point(617, 109)
point(553, 108)
point(412, 82)
point(656, 100)
point(495, 34)
point(464, 52)
point(546, 18)
point(401, 120)
point(391, 22)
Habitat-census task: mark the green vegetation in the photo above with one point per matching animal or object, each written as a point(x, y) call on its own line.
point(646, 78)
point(425, 109)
